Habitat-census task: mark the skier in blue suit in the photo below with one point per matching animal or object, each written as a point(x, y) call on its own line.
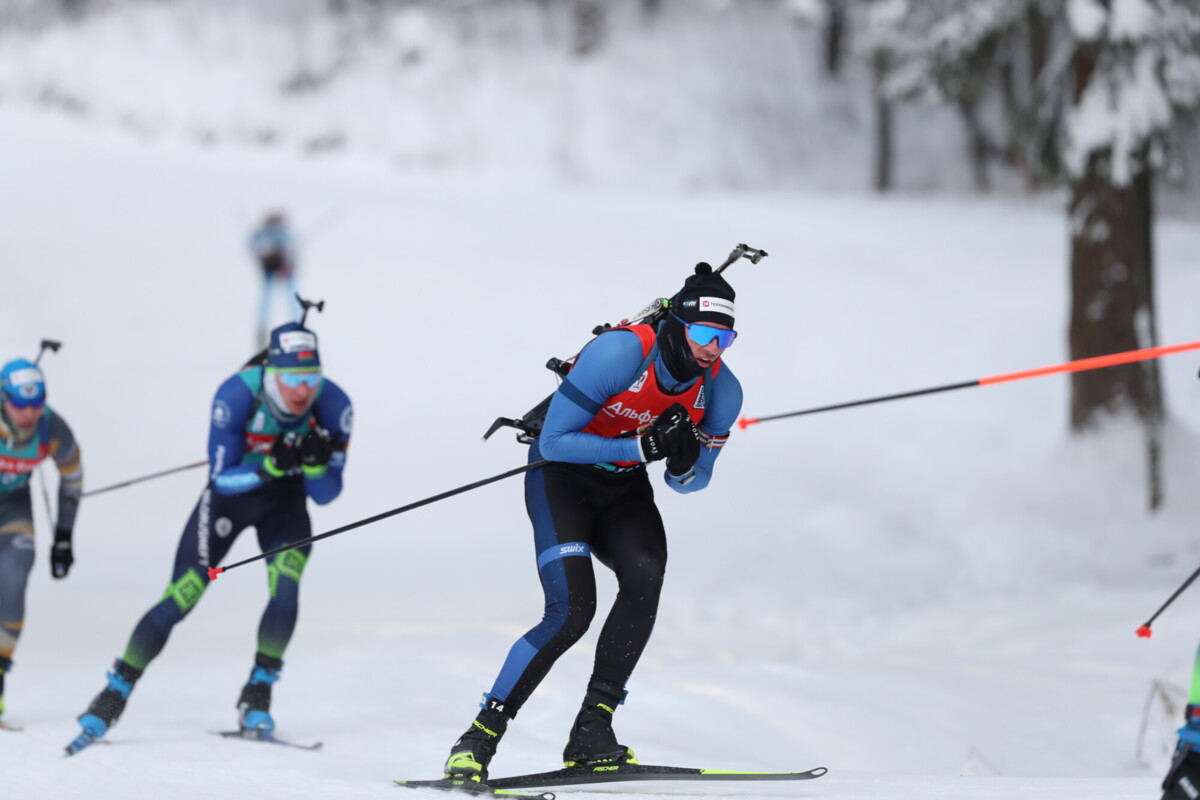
point(278, 436)
point(636, 394)
point(273, 246)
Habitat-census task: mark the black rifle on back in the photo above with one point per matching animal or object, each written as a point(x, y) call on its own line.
point(529, 425)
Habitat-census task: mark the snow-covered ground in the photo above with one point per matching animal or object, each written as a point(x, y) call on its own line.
point(933, 598)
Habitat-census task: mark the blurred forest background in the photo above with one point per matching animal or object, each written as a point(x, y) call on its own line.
point(1089, 105)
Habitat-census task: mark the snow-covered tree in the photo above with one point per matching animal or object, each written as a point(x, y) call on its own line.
point(1107, 80)
point(963, 50)
point(1134, 64)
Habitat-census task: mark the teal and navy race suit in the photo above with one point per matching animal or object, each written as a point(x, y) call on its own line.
point(241, 432)
point(20, 454)
point(595, 499)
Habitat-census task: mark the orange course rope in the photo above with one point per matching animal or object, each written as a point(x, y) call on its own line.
point(1084, 364)
point(1079, 365)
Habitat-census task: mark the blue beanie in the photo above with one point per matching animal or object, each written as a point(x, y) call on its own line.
point(22, 383)
point(293, 346)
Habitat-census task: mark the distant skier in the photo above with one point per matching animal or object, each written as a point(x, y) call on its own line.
point(278, 436)
point(635, 395)
point(29, 432)
point(274, 248)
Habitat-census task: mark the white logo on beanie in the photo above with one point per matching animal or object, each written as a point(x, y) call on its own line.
point(295, 341)
point(29, 376)
point(717, 305)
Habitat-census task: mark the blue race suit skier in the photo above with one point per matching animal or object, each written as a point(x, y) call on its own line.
point(277, 437)
point(30, 431)
point(634, 395)
point(274, 248)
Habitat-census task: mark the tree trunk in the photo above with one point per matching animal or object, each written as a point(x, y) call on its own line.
point(883, 124)
point(1038, 28)
point(1112, 297)
point(1112, 306)
point(588, 26)
point(835, 36)
point(978, 147)
point(1011, 100)
point(73, 8)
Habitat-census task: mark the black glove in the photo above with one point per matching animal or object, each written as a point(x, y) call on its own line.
point(61, 557)
point(316, 450)
point(683, 451)
point(284, 458)
point(672, 436)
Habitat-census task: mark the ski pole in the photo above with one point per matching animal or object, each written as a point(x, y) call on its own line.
point(1079, 365)
point(149, 477)
point(1144, 631)
point(214, 572)
point(43, 346)
point(46, 497)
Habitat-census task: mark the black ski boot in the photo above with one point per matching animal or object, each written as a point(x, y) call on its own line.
point(106, 707)
point(5, 666)
point(254, 703)
point(592, 740)
point(1183, 779)
point(471, 754)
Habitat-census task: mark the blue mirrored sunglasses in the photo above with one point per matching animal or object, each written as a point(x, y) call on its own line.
point(702, 334)
point(25, 402)
point(296, 379)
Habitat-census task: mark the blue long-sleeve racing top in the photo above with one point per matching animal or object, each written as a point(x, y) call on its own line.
point(242, 429)
point(605, 368)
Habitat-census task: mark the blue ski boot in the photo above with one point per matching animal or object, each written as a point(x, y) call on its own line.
point(471, 754)
point(106, 707)
point(592, 740)
point(254, 704)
